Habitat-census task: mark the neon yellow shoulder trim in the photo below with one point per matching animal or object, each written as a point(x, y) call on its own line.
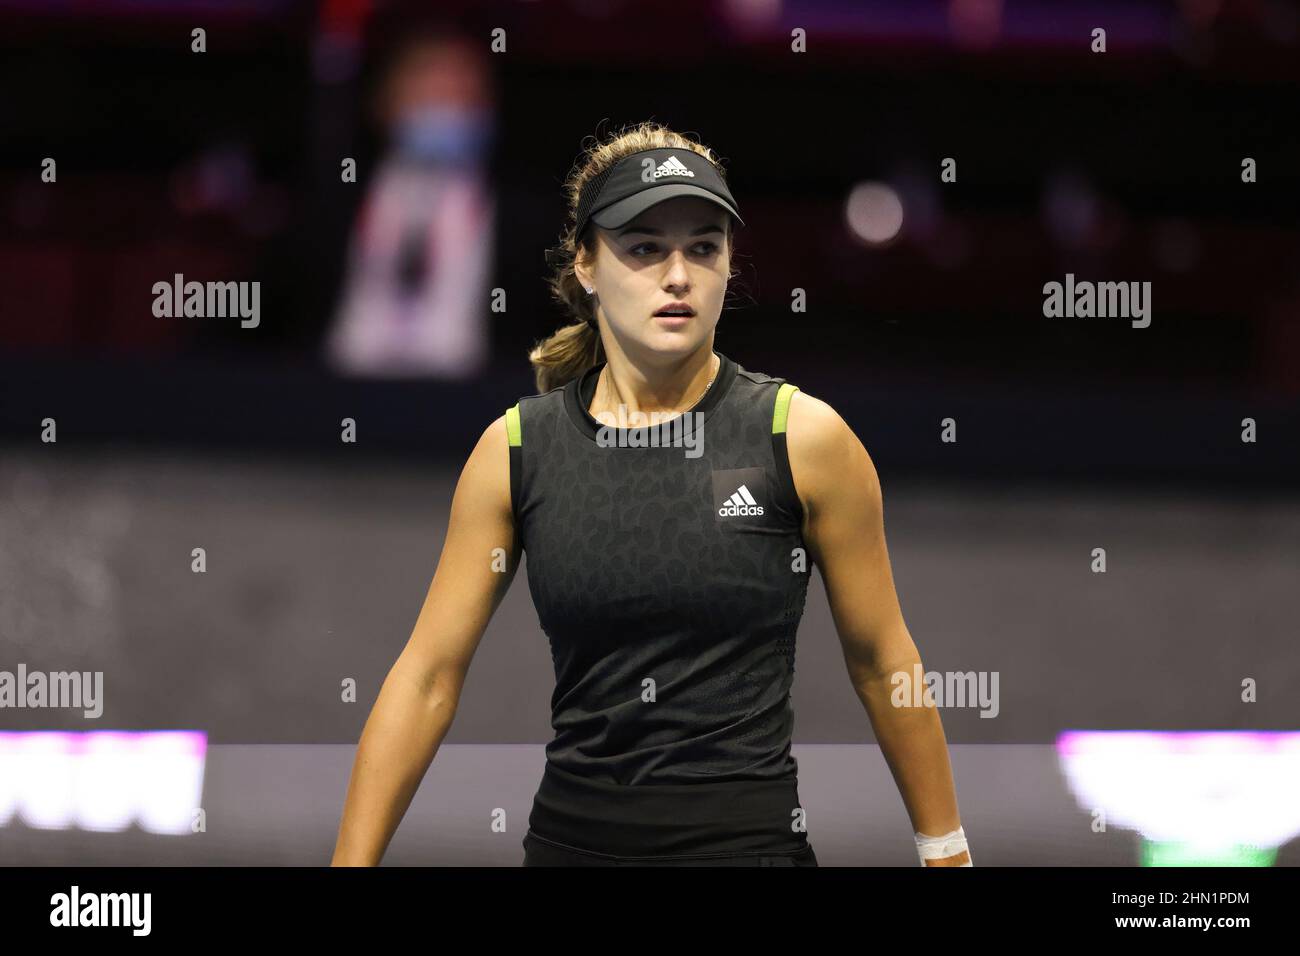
point(782, 409)
point(512, 425)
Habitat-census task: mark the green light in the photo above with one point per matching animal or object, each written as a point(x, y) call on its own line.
point(1185, 854)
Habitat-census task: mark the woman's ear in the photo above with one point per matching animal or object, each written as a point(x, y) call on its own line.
point(582, 272)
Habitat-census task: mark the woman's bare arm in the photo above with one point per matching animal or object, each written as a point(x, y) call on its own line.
point(844, 531)
point(418, 699)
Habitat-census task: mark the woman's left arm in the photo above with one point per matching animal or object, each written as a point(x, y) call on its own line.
point(843, 529)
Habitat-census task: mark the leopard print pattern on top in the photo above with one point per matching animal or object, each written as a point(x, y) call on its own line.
point(671, 605)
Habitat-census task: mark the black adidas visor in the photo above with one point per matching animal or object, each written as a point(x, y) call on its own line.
point(646, 178)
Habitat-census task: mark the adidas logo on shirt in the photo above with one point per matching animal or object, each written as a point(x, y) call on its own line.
point(740, 503)
point(672, 166)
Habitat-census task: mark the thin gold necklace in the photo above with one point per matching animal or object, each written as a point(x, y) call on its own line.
point(706, 387)
point(702, 394)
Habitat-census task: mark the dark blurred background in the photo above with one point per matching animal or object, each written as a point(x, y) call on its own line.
point(924, 302)
point(1124, 166)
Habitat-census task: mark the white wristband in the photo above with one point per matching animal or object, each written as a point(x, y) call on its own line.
point(942, 847)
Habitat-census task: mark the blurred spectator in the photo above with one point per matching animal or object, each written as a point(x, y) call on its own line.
point(415, 297)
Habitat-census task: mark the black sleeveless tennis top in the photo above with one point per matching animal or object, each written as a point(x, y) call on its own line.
point(668, 571)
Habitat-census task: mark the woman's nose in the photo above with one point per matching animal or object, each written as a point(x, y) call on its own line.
point(676, 274)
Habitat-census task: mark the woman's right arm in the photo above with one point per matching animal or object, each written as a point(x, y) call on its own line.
point(418, 699)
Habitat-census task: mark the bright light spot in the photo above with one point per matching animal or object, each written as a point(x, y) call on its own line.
point(103, 780)
point(1205, 790)
point(106, 783)
point(46, 778)
point(173, 765)
point(874, 212)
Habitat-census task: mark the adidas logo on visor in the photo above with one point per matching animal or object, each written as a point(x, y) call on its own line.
point(672, 166)
point(740, 503)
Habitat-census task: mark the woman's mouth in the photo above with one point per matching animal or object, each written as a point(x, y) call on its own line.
point(675, 310)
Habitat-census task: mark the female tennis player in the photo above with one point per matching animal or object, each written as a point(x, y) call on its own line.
point(671, 504)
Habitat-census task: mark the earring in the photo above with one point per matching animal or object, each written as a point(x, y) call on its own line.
point(588, 288)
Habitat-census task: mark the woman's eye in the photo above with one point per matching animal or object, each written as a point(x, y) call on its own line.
point(704, 248)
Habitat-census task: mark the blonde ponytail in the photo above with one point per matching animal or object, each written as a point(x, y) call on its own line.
point(566, 354)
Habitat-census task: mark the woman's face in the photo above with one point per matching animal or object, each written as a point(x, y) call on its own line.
point(676, 252)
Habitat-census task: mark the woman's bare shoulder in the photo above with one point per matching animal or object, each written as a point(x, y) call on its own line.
point(824, 451)
point(486, 474)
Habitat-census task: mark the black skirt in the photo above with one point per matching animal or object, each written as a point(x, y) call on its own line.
point(577, 821)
